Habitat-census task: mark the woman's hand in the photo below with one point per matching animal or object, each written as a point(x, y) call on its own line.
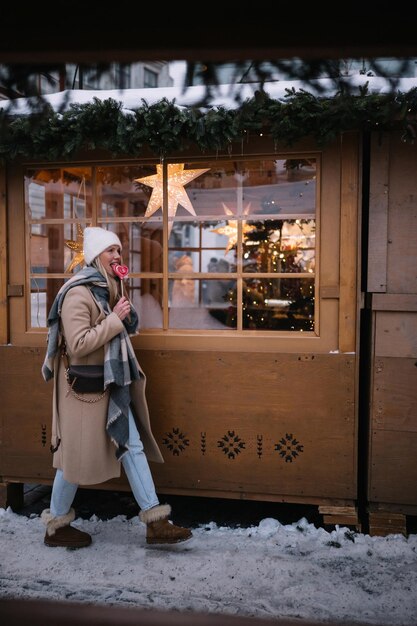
point(122, 308)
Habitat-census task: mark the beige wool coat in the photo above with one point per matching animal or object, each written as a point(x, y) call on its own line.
point(86, 454)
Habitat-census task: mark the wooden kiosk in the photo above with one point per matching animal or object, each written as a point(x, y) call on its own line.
point(250, 307)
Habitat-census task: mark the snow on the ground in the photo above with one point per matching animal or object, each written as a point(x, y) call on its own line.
point(269, 571)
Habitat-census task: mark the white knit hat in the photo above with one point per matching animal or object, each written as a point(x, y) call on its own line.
point(96, 240)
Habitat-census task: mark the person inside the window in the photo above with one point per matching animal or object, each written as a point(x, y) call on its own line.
point(183, 289)
point(94, 434)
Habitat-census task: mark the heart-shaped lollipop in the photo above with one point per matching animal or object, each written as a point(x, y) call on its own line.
point(122, 271)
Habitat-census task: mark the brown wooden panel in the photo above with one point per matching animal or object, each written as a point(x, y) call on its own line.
point(383, 524)
point(393, 467)
point(396, 334)
point(394, 302)
point(11, 494)
point(378, 213)
point(329, 291)
point(394, 401)
point(402, 222)
point(346, 515)
point(26, 414)
point(348, 242)
point(329, 221)
point(272, 425)
point(233, 421)
point(16, 250)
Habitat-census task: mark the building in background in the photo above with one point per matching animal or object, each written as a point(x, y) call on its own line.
point(115, 76)
point(94, 77)
point(290, 69)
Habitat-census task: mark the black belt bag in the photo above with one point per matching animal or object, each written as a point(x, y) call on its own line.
point(83, 379)
point(86, 378)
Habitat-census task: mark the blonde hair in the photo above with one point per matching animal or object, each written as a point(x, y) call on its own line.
point(112, 284)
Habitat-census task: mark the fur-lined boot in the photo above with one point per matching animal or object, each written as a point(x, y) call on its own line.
point(60, 533)
point(158, 527)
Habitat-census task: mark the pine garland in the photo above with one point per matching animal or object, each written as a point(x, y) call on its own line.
point(165, 128)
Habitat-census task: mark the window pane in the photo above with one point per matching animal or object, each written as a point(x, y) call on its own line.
point(121, 194)
point(146, 296)
point(276, 186)
point(266, 187)
point(183, 263)
point(43, 292)
point(213, 261)
point(58, 193)
point(146, 252)
point(278, 304)
point(53, 247)
point(205, 189)
point(184, 234)
point(141, 243)
point(203, 242)
point(189, 307)
point(279, 246)
point(123, 75)
point(218, 293)
point(224, 235)
point(150, 78)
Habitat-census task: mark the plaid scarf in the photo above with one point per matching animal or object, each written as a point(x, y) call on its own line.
point(120, 367)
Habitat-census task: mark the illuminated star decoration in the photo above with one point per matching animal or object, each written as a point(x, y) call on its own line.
point(177, 178)
point(76, 247)
point(230, 230)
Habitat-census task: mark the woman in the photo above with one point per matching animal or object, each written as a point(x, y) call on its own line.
point(89, 324)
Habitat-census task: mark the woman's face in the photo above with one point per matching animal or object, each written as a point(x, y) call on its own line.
point(108, 256)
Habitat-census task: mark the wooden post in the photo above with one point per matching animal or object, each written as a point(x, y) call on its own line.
point(11, 494)
point(349, 243)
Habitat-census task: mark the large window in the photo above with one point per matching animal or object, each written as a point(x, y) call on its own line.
point(231, 249)
point(122, 73)
point(150, 78)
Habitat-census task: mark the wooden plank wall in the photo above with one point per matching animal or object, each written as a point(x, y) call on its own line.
point(275, 427)
point(392, 277)
point(278, 425)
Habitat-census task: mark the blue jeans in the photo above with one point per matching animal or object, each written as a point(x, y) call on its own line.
point(137, 471)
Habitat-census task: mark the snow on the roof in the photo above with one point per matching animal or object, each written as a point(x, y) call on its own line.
point(228, 96)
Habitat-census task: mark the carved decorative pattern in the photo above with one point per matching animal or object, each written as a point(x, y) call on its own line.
point(176, 441)
point(203, 443)
point(259, 445)
point(289, 448)
point(43, 434)
point(231, 444)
